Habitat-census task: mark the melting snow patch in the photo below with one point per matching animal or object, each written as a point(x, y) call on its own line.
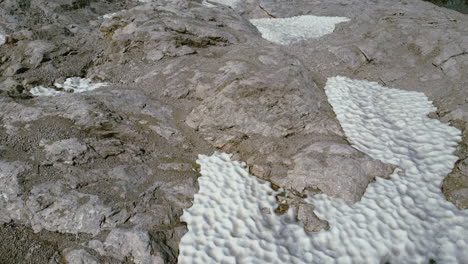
point(79, 85)
point(226, 223)
point(207, 4)
point(110, 15)
point(44, 91)
point(231, 3)
point(402, 220)
point(285, 31)
point(74, 85)
point(405, 219)
point(2, 39)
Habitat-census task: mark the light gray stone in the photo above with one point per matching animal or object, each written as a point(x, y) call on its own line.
point(11, 203)
point(54, 208)
point(79, 256)
point(69, 151)
point(133, 244)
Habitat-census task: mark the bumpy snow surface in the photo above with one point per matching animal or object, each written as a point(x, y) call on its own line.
point(73, 85)
point(285, 31)
point(402, 220)
point(405, 219)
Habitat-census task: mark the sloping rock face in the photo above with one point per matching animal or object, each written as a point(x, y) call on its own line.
point(103, 176)
point(416, 46)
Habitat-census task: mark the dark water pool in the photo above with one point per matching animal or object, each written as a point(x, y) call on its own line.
point(458, 5)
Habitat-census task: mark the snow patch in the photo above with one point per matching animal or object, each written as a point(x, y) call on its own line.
point(207, 4)
point(406, 219)
point(231, 3)
point(285, 31)
point(402, 220)
point(2, 39)
point(79, 85)
point(110, 15)
point(73, 85)
point(226, 223)
point(44, 91)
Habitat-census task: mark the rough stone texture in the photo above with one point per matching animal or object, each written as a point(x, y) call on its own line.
point(11, 205)
point(133, 244)
point(56, 209)
point(336, 169)
point(21, 245)
point(415, 46)
point(185, 79)
point(68, 151)
point(79, 256)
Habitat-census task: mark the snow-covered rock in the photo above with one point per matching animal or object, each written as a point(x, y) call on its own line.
point(230, 3)
point(2, 39)
point(285, 31)
point(71, 85)
point(44, 91)
point(178, 63)
point(404, 219)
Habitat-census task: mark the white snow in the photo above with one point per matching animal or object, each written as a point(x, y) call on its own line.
point(226, 223)
point(285, 31)
point(402, 220)
point(2, 39)
point(73, 84)
point(405, 219)
point(79, 85)
point(110, 15)
point(207, 4)
point(44, 91)
point(231, 3)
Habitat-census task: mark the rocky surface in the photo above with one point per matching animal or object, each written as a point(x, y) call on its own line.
point(396, 45)
point(103, 176)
